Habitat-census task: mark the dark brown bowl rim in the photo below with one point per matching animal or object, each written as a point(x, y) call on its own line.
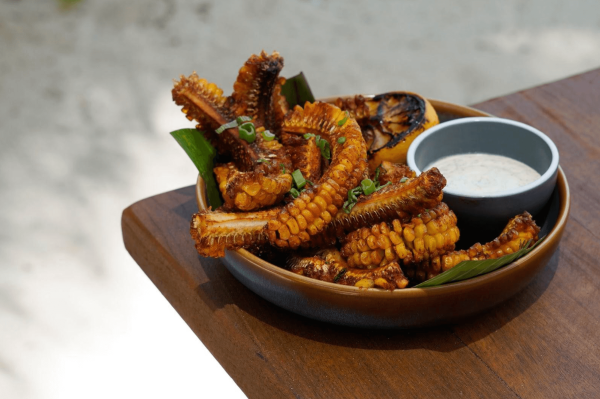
point(549, 240)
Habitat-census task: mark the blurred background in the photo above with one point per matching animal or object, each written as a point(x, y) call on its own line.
point(85, 116)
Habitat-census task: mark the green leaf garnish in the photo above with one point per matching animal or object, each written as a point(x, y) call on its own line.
point(267, 135)
point(308, 135)
point(202, 153)
point(299, 180)
point(403, 180)
point(295, 193)
point(247, 132)
point(228, 125)
point(297, 91)
point(262, 160)
point(473, 268)
point(282, 167)
point(341, 140)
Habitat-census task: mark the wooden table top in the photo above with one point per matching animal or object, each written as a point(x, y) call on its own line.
point(542, 343)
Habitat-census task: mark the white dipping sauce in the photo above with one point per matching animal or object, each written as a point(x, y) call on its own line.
point(481, 174)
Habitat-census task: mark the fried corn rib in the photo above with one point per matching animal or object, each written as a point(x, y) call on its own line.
point(215, 231)
point(431, 233)
point(517, 232)
point(328, 265)
point(315, 208)
point(255, 175)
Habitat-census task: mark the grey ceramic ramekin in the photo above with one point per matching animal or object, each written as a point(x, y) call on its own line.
point(496, 136)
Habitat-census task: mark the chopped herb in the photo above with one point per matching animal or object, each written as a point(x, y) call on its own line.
point(267, 135)
point(341, 122)
point(325, 150)
point(403, 180)
point(247, 132)
point(242, 119)
point(341, 140)
point(311, 183)
point(298, 179)
point(229, 125)
point(295, 193)
point(368, 187)
point(419, 215)
point(308, 136)
point(264, 160)
point(377, 173)
point(339, 275)
point(282, 167)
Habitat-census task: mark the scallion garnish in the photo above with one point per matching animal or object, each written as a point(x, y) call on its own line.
point(242, 119)
point(341, 140)
point(322, 144)
point(368, 187)
point(262, 160)
point(247, 132)
point(295, 193)
point(403, 180)
point(308, 136)
point(267, 135)
point(229, 125)
point(341, 122)
point(299, 180)
point(282, 167)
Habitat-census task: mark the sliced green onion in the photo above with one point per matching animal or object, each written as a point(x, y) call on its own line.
point(341, 140)
point(308, 136)
point(295, 193)
point(404, 179)
point(325, 150)
point(247, 132)
point(385, 185)
point(377, 173)
point(339, 275)
point(267, 135)
point(228, 125)
point(242, 119)
point(368, 187)
point(264, 160)
point(282, 167)
point(298, 179)
point(341, 123)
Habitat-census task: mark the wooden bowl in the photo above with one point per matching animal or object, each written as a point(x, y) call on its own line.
point(404, 308)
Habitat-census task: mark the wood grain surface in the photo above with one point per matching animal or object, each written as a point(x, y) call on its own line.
point(542, 343)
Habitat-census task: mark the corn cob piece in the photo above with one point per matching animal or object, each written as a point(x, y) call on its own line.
point(315, 208)
point(394, 172)
point(215, 231)
point(517, 232)
point(328, 265)
point(427, 235)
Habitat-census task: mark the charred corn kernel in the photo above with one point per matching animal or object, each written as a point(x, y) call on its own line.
point(362, 245)
point(365, 283)
point(372, 242)
point(314, 209)
point(320, 202)
point(332, 209)
point(326, 216)
point(293, 226)
point(326, 197)
point(381, 282)
point(420, 230)
point(300, 204)
point(312, 229)
point(319, 223)
point(301, 222)
point(400, 242)
point(365, 258)
point(432, 227)
point(304, 236)
point(242, 199)
point(409, 234)
point(284, 233)
point(308, 216)
point(377, 256)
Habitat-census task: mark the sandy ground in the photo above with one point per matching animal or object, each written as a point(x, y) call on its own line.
point(85, 113)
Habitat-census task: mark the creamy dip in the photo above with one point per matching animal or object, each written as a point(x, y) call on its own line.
point(480, 174)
